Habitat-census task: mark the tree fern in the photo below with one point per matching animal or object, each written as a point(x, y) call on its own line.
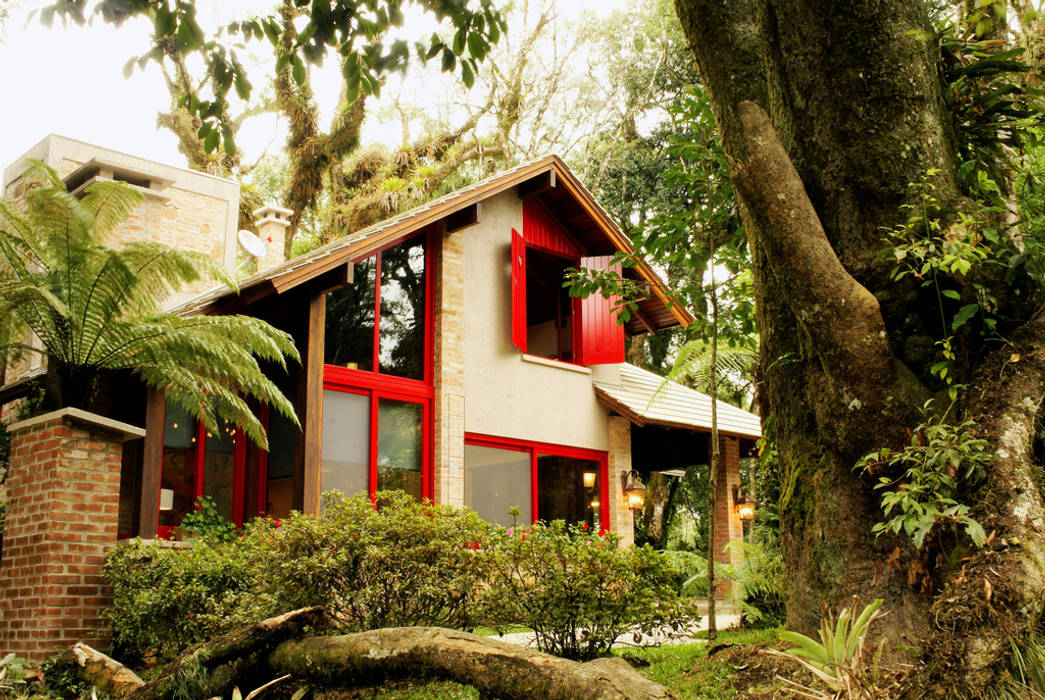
point(97, 309)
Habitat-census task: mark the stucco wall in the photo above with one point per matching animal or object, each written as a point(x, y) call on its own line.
point(505, 395)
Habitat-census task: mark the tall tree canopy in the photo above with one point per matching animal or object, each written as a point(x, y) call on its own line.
point(844, 128)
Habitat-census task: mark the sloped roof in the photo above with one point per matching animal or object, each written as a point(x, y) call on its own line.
point(646, 398)
point(658, 311)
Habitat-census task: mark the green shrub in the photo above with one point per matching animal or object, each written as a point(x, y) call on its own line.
point(691, 572)
point(165, 600)
point(579, 591)
point(399, 564)
point(207, 522)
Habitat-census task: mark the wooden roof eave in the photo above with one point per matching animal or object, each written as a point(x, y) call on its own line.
point(620, 240)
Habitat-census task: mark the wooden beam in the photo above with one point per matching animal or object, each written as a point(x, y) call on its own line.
point(313, 463)
point(642, 319)
point(332, 279)
point(542, 183)
point(469, 216)
point(152, 464)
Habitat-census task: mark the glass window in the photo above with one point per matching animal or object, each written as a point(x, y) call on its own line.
point(402, 324)
point(283, 435)
point(219, 461)
point(350, 320)
point(399, 445)
point(346, 442)
point(561, 490)
point(549, 307)
point(179, 464)
point(495, 480)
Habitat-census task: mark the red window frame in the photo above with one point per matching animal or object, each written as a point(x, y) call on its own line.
point(239, 474)
point(533, 447)
point(597, 337)
point(378, 385)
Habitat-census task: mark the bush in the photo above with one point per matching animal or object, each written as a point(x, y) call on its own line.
point(691, 572)
point(165, 600)
point(400, 563)
point(579, 591)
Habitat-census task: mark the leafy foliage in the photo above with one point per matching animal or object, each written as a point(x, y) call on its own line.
point(397, 564)
point(921, 482)
point(761, 578)
point(97, 309)
point(837, 659)
point(207, 522)
point(580, 591)
point(357, 34)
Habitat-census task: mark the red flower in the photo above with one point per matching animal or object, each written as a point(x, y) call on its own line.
point(276, 523)
point(523, 538)
point(584, 526)
point(602, 531)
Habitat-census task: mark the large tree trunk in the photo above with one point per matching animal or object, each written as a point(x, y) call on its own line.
point(828, 111)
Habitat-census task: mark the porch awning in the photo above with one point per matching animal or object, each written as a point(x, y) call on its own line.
point(645, 398)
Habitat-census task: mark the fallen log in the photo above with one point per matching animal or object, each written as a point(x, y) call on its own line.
point(250, 656)
point(495, 668)
point(213, 667)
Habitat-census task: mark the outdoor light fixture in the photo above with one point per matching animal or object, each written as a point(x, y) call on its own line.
point(595, 504)
point(744, 506)
point(589, 480)
point(166, 499)
point(634, 490)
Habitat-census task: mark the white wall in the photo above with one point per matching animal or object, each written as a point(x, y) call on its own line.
point(504, 395)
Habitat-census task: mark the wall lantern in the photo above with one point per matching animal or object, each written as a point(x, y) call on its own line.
point(589, 480)
point(595, 504)
point(634, 490)
point(744, 506)
point(166, 499)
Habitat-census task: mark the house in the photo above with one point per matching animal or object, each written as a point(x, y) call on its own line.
point(441, 356)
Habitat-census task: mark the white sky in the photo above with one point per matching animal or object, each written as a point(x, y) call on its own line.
point(69, 81)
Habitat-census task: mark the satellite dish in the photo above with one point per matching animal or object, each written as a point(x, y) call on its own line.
point(254, 246)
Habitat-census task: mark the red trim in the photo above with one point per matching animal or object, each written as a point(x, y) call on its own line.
point(375, 358)
point(426, 451)
point(374, 427)
point(535, 448)
point(335, 377)
point(518, 290)
point(602, 338)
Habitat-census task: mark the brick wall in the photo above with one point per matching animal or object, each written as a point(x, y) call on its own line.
point(622, 520)
point(448, 360)
point(63, 504)
point(728, 527)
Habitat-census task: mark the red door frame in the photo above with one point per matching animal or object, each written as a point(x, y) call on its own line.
point(601, 457)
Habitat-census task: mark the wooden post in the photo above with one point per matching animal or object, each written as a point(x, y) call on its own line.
point(311, 482)
point(152, 464)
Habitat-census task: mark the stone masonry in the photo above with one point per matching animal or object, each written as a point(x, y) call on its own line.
point(622, 521)
point(728, 527)
point(64, 491)
point(448, 361)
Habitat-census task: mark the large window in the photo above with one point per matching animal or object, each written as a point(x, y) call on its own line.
point(545, 320)
point(377, 378)
point(545, 482)
point(243, 480)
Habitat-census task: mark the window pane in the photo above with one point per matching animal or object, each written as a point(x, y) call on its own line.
point(549, 320)
point(350, 321)
point(282, 436)
point(219, 467)
point(495, 480)
point(179, 463)
point(399, 446)
point(346, 442)
point(561, 494)
point(403, 309)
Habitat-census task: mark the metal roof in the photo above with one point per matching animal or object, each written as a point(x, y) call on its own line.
point(647, 398)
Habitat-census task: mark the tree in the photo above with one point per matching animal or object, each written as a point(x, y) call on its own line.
point(829, 113)
point(97, 310)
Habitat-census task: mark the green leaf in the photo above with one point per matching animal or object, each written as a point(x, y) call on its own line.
point(298, 70)
point(210, 141)
point(477, 46)
point(449, 60)
point(164, 23)
point(467, 76)
point(964, 314)
point(975, 532)
point(951, 294)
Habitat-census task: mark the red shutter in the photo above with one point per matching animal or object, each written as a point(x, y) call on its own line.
point(602, 338)
point(518, 291)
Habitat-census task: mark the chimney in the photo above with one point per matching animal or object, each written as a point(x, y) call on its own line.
point(271, 224)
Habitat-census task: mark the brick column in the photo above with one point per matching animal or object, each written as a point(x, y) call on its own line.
point(448, 361)
point(622, 521)
point(728, 527)
point(62, 512)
